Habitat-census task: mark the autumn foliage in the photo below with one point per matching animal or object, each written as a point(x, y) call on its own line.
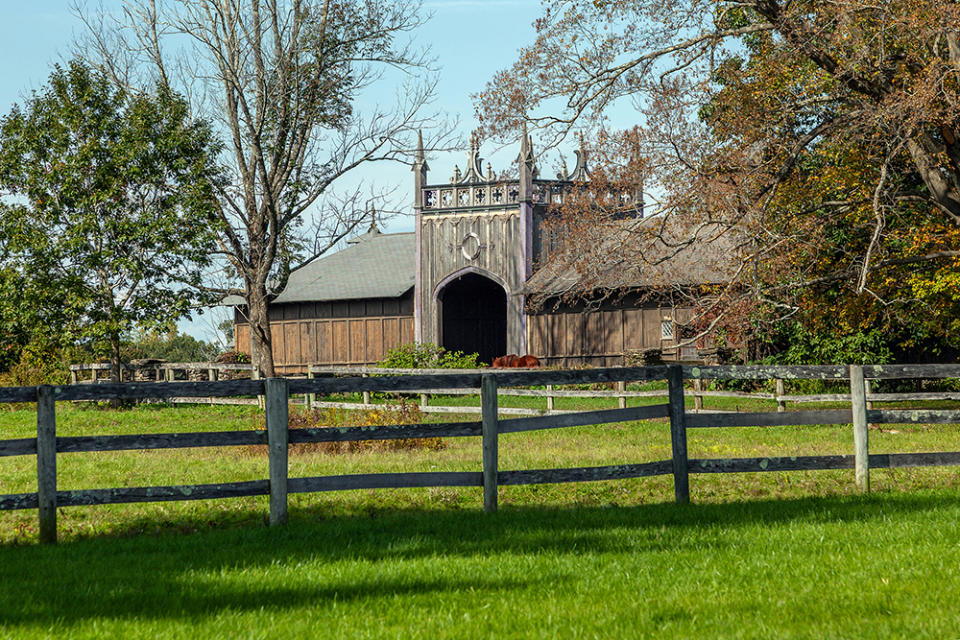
point(818, 141)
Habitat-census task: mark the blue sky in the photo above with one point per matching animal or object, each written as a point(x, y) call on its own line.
point(471, 39)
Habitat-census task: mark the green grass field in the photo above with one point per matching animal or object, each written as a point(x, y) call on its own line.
point(757, 555)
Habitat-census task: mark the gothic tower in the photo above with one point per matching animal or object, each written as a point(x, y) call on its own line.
point(476, 247)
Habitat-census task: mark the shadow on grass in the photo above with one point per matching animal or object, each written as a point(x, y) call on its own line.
point(381, 555)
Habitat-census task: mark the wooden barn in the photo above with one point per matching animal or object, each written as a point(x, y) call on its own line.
point(460, 280)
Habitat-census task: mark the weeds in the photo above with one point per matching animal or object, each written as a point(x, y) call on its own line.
point(403, 412)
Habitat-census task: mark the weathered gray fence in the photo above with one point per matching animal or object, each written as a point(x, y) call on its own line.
point(277, 435)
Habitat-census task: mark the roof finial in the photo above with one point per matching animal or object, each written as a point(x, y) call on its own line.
point(420, 155)
point(373, 219)
point(580, 173)
point(474, 171)
point(526, 148)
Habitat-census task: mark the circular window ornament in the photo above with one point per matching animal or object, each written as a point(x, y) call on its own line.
point(470, 246)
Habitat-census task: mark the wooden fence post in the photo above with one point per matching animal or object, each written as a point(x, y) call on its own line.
point(549, 397)
point(424, 399)
point(858, 404)
point(622, 400)
point(277, 396)
point(311, 398)
point(697, 397)
point(488, 405)
point(781, 404)
point(366, 394)
point(47, 463)
point(678, 434)
point(255, 375)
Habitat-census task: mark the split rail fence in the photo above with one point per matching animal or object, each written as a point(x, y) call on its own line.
point(278, 436)
point(171, 371)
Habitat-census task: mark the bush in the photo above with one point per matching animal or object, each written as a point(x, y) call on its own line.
point(233, 357)
point(403, 412)
point(428, 356)
point(38, 365)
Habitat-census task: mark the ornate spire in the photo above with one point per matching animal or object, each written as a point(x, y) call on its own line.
point(420, 158)
point(526, 156)
point(372, 230)
point(528, 166)
point(580, 172)
point(419, 169)
point(474, 161)
point(373, 220)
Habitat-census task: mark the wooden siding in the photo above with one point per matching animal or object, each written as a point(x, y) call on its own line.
point(356, 332)
point(570, 337)
point(502, 255)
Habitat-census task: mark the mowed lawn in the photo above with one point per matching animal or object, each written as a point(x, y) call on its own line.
point(756, 555)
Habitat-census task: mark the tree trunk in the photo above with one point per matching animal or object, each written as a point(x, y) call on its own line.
point(116, 375)
point(261, 340)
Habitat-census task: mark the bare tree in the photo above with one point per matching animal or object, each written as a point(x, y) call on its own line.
point(284, 80)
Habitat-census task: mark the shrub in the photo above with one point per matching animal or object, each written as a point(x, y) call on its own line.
point(403, 412)
point(428, 356)
point(38, 365)
point(233, 357)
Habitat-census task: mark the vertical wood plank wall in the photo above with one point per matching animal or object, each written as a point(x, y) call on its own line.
point(569, 337)
point(361, 332)
point(334, 333)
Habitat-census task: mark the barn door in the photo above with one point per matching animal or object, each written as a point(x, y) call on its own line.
point(473, 317)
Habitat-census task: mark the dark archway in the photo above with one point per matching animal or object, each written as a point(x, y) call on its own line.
point(473, 316)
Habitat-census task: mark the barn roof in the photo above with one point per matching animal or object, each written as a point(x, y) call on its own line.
point(373, 265)
point(673, 255)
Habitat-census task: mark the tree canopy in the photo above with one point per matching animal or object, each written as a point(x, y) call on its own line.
point(108, 210)
point(819, 139)
point(283, 80)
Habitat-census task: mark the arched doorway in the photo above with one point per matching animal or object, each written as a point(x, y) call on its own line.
point(473, 316)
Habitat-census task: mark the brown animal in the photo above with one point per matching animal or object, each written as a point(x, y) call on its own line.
point(512, 361)
point(528, 361)
point(504, 362)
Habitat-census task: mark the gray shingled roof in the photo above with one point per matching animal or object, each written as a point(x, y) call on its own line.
point(706, 261)
point(373, 265)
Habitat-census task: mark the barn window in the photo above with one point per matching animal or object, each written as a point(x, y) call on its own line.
point(666, 330)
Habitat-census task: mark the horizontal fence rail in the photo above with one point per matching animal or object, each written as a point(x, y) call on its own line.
point(278, 436)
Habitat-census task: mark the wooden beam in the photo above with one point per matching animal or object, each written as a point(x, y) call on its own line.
point(769, 418)
point(858, 404)
point(748, 465)
point(678, 435)
point(144, 441)
point(488, 402)
point(914, 416)
point(47, 463)
point(386, 432)
point(583, 418)
point(586, 474)
point(386, 481)
point(766, 372)
point(277, 415)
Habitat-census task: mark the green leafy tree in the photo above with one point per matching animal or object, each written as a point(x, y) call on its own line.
point(107, 213)
point(170, 345)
